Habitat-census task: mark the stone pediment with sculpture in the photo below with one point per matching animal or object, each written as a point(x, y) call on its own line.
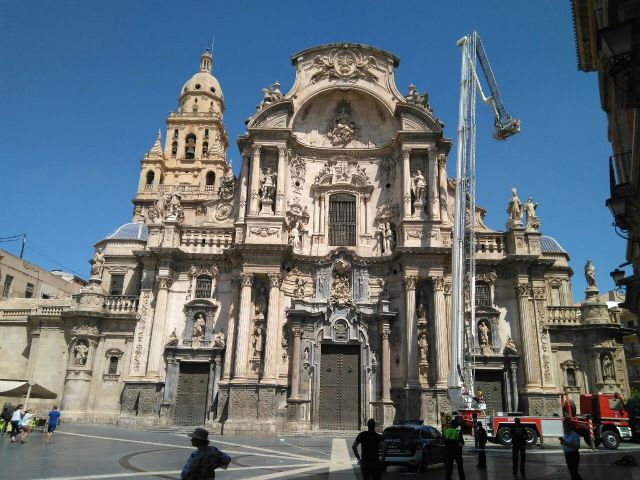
point(341, 171)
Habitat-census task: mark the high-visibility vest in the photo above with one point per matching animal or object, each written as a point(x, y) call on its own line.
point(452, 434)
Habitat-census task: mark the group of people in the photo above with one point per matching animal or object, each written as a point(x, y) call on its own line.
point(20, 420)
point(373, 456)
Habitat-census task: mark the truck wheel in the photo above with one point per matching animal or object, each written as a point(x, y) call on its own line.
point(610, 440)
point(504, 436)
point(531, 436)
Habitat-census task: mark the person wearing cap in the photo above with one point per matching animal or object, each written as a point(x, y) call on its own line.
point(202, 463)
point(453, 442)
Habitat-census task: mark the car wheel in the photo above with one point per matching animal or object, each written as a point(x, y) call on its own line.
point(610, 440)
point(531, 436)
point(504, 436)
point(424, 461)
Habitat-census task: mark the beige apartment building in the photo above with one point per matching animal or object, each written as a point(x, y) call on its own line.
point(312, 291)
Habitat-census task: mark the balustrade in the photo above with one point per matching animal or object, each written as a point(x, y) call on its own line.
point(121, 303)
point(563, 315)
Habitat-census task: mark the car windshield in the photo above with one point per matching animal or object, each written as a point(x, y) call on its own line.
point(401, 433)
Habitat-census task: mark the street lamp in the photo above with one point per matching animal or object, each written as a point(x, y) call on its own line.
point(617, 275)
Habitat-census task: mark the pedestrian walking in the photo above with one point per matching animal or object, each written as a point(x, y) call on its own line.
point(26, 425)
point(52, 423)
point(16, 422)
point(453, 442)
point(202, 463)
point(518, 446)
point(571, 446)
point(481, 437)
point(370, 463)
point(6, 419)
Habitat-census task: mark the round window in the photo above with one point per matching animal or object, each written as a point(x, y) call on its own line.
point(213, 89)
point(198, 86)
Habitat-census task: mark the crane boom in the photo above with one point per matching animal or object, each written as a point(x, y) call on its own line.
point(463, 271)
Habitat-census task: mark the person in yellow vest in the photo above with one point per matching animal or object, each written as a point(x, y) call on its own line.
point(453, 442)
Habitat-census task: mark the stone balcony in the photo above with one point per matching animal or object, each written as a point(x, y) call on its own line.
point(564, 316)
point(121, 303)
point(188, 192)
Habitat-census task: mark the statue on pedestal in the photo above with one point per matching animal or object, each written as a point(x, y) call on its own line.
point(294, 236)
point(607, 367)
point(97, 263)
point(197, 333)
point(419, 187)
point(298, 289)
point(173, 339)
point(514, 211)
point(268, 184)
point(80, 353)
point(218, 339)
point(533, 222)
point(590, 274)
point(174, 208)
point(387, 238)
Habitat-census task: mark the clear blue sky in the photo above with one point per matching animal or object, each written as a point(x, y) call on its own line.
point(86, 85)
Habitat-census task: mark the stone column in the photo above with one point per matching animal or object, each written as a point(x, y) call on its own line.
point(406, 182)
point(411, 331)
point(156, 348)
point(244, 172)
point(433, 198)
point(386, 365)
point(541, 334)
point(366, 199)
point(273, 332)
point(529, 346)
point(440, 324)
point(255, 180)
point(295, 363)
point(217, 362)
point(244, 327)
point(231, 328)
point(321, 202)
point(282, 155)
point(443, 185)
point(316, 214)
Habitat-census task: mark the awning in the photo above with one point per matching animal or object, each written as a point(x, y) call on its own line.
point(20, 388)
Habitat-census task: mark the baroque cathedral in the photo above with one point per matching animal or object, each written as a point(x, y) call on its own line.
point(313, 290)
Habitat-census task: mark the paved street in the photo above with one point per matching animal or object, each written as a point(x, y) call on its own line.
point(85, 452)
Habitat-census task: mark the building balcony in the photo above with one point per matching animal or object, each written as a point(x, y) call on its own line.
point(564, 316)
point(121, 303)
point(622, 201)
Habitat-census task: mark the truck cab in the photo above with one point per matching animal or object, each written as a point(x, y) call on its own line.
point(608, 415)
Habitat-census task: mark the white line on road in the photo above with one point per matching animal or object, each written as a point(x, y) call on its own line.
point(271, 452)
point(340, 466)
point(304, 448)
point(176, 472)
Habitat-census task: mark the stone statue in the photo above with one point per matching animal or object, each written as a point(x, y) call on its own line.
point(388, 238)
point(384, 290)
point(267, 181)
point(306, 355)
point(342, 132)
point(423, 347)
point(294, 236)
point(270, 94)
point(607, 367)
point(174, 208)
point(173, 339)
point(514, 210)
point(533, 222)
point(422, 315)
point(197, 332)
point(227, 186)
point(80, 353)
point(416, 98)
point(510, 346)
point(590, 274)
point(419, 186)
point(258, 339)
point(298, 289)
point(161, 206)
point(341, 290)
point(483, 333)
point(97, 263)
point(218, 339)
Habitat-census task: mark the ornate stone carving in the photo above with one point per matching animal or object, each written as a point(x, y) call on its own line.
point(219, 339)
point(341, 130)
point(483, 338)
point(487, 277)
point(80, 353)
point(418, 99)
point(438, 283)
point(383, 293)
point(410, 282)
point(298, 170)
point(173, 339)
point(275, 280)
point(344, 64)
point(510, 347)
point(523, 290)
point(227, 186)
point(270, 95)
point(84, 330)
point(267, 184)
point(265, 231)
point(143, 314)
point(246, 279)
point(197, 332)
point(387, 241)
point(387, 167)
point(223, 211)
point(298, 288)
point(387, 212)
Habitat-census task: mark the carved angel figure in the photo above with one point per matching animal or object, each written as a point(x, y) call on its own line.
point(97, 263)
point(417, 98)
point(419, 186)
point(298, 289)
point(342, 132)
point(173, 339)
point(514, 210)
point(270, 94)
point(197, 332)
point(218, 339)
point(590, 273)
point(175, 207)
point(510, 346)
point(80, 353)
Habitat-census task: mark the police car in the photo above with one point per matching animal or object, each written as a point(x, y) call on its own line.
point(414, 445)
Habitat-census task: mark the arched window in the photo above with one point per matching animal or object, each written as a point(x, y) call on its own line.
point(205, 149)
point(190, 147)
point(175, 134)
point(150, 178)
point(206, 133)
point(113, 365)
point(342, 219)
point(210, 180)
point(483, 295)
point(174, 149)
point(571, 377)
point(203, 286)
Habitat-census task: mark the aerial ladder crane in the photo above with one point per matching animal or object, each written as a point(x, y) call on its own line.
point(462, 341)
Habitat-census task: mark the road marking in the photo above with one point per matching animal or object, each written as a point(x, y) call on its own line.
point(174, 472)
point(340, 466)
point(303, 448)
point(270, 453)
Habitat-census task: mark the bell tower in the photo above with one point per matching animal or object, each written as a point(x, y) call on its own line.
point(194, 158)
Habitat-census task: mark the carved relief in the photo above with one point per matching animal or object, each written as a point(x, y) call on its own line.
point(344, 64)
point(265, 231)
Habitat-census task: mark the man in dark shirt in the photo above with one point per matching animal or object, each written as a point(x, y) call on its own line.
point(481, 439)
point(453, 442)
point(202, 463)
point(370, 460)
point(518, 445)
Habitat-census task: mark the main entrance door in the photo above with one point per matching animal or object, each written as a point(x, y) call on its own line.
point(490, 382)
point(191, 399)
point(340, 387)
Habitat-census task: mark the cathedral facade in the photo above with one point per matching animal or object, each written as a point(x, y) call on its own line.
point(313, 290)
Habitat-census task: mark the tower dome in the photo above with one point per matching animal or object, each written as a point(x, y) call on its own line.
point(202, 85)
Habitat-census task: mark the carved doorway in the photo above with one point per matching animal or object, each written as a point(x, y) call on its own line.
point(491, 384)
point(191, 398)
point(339, 405)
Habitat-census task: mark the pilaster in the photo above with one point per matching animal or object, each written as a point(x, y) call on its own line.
point(244, 328)
point(273, 330)
point(442, 343)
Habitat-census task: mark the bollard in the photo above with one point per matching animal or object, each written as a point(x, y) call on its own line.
point(591, 435)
